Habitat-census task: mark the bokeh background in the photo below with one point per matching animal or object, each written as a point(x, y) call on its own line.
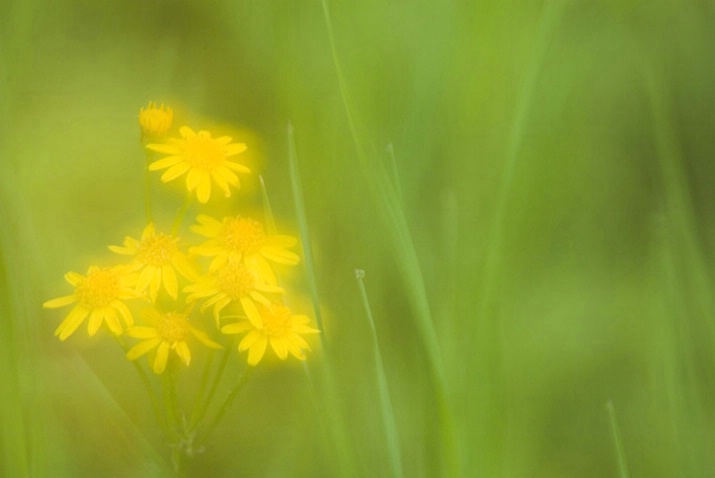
point(528, 186)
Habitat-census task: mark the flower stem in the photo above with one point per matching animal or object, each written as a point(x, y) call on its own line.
point(147, 189)
point(196, 419)
point(202, 387)
point(147, 385)
point(181, 214)
point(229, 400)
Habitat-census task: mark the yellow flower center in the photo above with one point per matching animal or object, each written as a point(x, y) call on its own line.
point(173, 327)
point(157, 250)
point(99, 289)
point(243, 235)
point(204, 152)
point(277, 321)
point(235, 280)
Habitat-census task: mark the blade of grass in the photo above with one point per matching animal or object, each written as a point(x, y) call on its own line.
point(331, 413)
point(303, 227)
point(386, 409)
point(389, 205)
point(617, 441)
point(688, 288)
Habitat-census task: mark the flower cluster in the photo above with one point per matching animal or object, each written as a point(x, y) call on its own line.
point(172, 291)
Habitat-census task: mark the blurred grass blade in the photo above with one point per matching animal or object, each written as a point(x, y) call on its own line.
point(617, 441)
point(303, 226)
point(389, 205)
point(330, 413)
point(386, 409)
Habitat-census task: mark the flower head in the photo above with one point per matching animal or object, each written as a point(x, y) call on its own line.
point(279, 328)
point(157, 255)
point(203, 159)
point(230, 283)
point(155, 121)
point(166, 332)
point(99, 295)
point(239, 238)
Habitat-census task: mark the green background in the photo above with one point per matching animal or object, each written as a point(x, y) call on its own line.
point(540, 244)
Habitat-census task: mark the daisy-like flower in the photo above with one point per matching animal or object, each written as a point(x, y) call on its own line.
point(202, 158)
point(155, 121)
point(279, 328)
point(239, 238)
point(99, 295)
point(232, 282)
point(157, 255)
point(166, 332)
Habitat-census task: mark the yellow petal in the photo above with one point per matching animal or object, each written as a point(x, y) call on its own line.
point(279, 347)
point(248, 341)
point(236, 328)
point(234, 149)
point(74, 278)
point(59, 302)
point(182, 350)
point(203, 338)
point(172, 288)
point(73, 320)
point(113, 323)
point(142, 347)
point(96, 317)
point(124, 311)
point(175, 171)
point(187, 132)
point(279, 255)
point(141, 332)
point(162, 354)
point(203, 191)
point(251, 312)
point(164, 148)
point(255, 354)
point(165, 163)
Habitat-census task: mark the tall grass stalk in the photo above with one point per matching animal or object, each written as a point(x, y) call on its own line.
point(386, 409)
point(389, 205)
point(689, 292)
point(617, 440)
point(328, 402)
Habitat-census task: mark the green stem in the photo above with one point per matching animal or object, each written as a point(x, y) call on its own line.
point(617, 442)
point(386, 408)
point(147, 189)
point(181, 213)
point(212, 391)
point(202, 387)
point(229, 400)
point(303, 227)
point(149, 390)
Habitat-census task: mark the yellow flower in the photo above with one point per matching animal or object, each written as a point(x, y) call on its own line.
point(158, 256)
point(166, 332)
point(238, 238)
point(203, 158)
point(98, 295)
point(232, 282)
point(155, 121)
point(279, 328)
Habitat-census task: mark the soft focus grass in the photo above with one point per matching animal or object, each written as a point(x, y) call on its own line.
point(536, 241)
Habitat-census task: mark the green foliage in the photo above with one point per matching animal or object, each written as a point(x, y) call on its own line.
point(536, 237)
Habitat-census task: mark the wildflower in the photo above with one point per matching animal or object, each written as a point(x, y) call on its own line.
point(158, 256)
point(155, 121)
point(202, 158)
point(238, 238)
point(279, 328)
point(232, 282)
point(166, 332)
point(98, 295)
